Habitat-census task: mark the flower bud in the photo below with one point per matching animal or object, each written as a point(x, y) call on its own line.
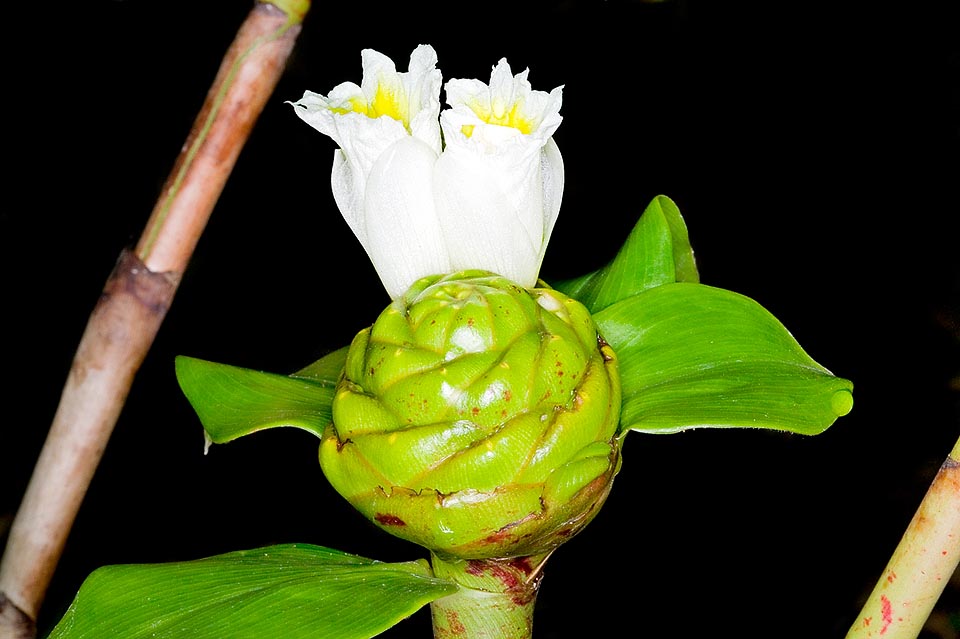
point(477, 418)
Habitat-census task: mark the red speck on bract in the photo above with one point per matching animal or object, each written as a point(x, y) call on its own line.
point(508, 579)
point(522, 564)
point(456, 626)
point(867, 620)
point(891, 576)
point(389, 520)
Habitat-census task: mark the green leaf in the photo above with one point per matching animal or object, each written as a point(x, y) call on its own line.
point(656, 252)
point(291, 591)
point(693, 356)
point(232, 402)
point(327, 369)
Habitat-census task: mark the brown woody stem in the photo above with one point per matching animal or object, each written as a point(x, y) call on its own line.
point(136, 296)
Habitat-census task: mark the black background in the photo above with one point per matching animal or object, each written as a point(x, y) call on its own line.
point(812, 148)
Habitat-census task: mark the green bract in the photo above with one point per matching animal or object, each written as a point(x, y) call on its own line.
point(477, 418)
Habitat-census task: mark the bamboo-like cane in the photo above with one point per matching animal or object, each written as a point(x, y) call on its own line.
point(921, 565)
point(135, 299)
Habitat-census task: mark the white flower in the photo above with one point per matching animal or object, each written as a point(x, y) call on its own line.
point(487, 200)
point(499, 181)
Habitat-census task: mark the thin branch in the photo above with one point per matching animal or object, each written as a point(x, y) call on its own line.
point(921, 565)
point(135, 300)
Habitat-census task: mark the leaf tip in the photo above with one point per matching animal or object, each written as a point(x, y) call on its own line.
point(841, 402)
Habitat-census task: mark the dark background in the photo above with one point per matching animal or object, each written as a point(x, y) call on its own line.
point(812, 148)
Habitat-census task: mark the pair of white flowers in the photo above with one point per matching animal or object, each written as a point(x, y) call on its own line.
point(484, 194)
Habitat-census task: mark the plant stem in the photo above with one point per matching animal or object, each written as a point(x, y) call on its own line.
point(921, 565)
point(495, 601)
point(128, 315)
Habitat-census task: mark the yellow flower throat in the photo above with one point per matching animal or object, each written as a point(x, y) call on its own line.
point(388, 100)
point(498, 113)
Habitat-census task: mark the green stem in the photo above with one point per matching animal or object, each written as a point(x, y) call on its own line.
point(495, 600)
point(921, 565)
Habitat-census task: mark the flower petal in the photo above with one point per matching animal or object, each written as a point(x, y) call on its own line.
point(361, 140)
point(422, 84)
point(411, 97)
point(508, 101)
point(404, 240)
point(499, 181)
point(491, 210)
point(551, 175)
point(366, 120)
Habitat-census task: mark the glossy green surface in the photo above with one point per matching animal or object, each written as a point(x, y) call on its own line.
point(453, 426)
point(473, 414)
point(232, 401)
point(694, 356)
point(295, 591)
point(656, 252)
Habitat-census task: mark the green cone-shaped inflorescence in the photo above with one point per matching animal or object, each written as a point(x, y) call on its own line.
point(477, 418)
